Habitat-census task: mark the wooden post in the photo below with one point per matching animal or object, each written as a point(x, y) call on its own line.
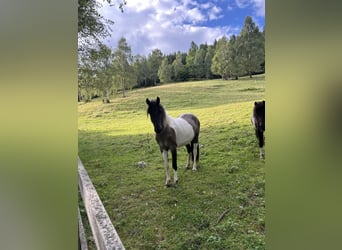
point(82, 241)
point(102, 228)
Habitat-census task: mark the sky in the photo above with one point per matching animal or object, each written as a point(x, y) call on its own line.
point(171, 25)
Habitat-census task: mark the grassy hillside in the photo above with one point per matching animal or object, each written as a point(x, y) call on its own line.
point(114, 137)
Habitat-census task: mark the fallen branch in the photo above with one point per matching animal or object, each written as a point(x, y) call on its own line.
point(222, 215)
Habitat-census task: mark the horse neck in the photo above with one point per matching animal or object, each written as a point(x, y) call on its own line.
point(167, 119)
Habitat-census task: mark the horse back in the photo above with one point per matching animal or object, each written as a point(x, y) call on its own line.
point(193, 121)
point(186, 128)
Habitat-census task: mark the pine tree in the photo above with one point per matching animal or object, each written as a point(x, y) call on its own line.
point(251, 47)
point(190, 59)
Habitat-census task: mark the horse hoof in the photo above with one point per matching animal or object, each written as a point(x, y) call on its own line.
point(175, 184)
point(194, 169)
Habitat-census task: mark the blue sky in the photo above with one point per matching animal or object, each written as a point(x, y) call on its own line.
point(171, 25)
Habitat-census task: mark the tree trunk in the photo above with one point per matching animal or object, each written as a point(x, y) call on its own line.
point(105, 94)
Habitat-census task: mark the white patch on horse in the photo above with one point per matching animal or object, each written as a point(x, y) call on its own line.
point(253, 120)
point(184, 131)
point(175, 177)
point(262, 153)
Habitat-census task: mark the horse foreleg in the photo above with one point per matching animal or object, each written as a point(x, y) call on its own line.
point(166, 162)
point(262, 153)
point(195, 156)
point(261, 138)
point(174, 166)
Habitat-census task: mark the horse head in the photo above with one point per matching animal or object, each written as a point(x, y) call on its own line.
point(157, 114)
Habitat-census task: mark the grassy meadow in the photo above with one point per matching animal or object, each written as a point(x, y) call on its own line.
point(114, 137)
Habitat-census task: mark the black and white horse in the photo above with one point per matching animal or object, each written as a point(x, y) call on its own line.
point(258, 120)
point(172, 133)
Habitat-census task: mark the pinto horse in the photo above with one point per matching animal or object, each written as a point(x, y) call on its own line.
point(258, 120)
point(172, 133)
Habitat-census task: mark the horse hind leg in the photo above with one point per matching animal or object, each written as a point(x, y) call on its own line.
point(190, 155)
point(195, 157)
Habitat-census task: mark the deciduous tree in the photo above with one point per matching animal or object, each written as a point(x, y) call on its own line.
point(155, 60)
point(165, 71)
point(123, 65)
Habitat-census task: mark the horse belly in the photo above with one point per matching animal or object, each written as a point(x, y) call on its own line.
point(184, 132)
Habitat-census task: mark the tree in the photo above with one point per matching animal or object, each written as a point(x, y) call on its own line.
point(207, 61)
point(233, 63)
point(165, 71)
point(102, 61)
point(122, 62)
point(199, 61)
point(155, 60)
point(91, 25)
point(142, 70)
point(251, 47)
point(179, 69)
point(86, 81)
point(219, 64)
point(190, 59)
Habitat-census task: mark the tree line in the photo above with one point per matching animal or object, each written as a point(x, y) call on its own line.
point(104, 72)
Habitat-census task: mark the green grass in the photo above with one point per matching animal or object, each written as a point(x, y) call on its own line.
point(114, 137)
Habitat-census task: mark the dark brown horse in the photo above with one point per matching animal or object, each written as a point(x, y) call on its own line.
point(172, 133)
point(258, 120)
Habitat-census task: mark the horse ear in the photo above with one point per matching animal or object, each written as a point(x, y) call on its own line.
point(263, 102)
point(148, 101)
point(255, 103)
point(158, 100)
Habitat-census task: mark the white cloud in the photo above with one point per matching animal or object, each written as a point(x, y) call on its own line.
point(214, 13)
point(257, 5)
point(242, 3)
point(230, 8)
point(169, 25)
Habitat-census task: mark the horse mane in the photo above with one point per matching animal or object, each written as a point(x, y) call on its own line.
point(165, 115)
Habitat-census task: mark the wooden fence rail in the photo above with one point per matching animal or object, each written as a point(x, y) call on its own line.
point(103, 231)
